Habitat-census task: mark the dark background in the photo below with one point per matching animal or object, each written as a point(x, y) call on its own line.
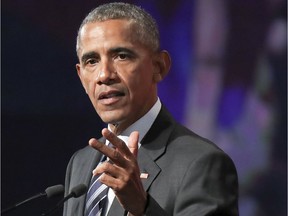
point(46, 115)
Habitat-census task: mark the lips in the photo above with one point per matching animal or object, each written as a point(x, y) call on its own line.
point(110, 94)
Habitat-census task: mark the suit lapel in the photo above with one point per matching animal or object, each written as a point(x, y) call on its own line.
point(152, 147)
point(147, 165)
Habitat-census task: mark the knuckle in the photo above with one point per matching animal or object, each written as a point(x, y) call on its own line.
point(130, 173)
point(116, 154)
point(117, 187)
point(120, 186)
point(105, 166)
point(101, 146)
point(122, 144)
point(103, 178)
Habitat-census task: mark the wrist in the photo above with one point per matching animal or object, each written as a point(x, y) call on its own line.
point(141, 210)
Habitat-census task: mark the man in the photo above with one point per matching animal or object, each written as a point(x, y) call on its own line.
point(156, 166)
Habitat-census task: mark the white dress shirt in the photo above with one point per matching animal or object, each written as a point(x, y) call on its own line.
point(142, 126)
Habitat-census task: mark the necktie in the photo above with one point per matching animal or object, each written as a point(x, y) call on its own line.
point(96, 196)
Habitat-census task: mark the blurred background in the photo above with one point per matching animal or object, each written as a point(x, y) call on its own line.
point(228, 83)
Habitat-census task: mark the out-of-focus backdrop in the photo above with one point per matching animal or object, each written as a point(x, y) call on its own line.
point(228, 82)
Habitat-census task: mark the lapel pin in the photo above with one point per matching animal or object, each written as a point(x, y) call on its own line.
point(144, 175)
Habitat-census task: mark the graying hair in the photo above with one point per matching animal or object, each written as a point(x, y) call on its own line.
point(147, 29)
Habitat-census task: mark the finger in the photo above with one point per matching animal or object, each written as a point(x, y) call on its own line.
point(106, 168)
point(110, 181)
point(113, 154)
point(110, 175)
point(117, 142)
point(133, 143)
point(104, 149)
point(94, 143)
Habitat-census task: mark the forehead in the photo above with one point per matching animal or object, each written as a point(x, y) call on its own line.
point(109, 31)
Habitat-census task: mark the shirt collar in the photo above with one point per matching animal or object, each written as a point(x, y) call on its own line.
point(143, 124)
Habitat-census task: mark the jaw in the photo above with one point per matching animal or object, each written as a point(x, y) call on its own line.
point(117, 119)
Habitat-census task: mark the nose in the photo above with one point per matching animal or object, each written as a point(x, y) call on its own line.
point(106, 74)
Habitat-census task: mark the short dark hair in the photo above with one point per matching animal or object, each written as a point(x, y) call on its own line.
point(146, 26)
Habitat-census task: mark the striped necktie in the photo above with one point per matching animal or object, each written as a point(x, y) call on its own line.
point(96, 196)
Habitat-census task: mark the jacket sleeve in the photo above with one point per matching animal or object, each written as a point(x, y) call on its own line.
point(67, 183)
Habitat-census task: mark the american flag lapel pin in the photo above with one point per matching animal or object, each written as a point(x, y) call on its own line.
point(144, 175)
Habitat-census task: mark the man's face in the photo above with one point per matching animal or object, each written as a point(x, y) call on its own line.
point(116, 70)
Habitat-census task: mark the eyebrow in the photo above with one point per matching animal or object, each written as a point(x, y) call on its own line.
point(93, 54)
point(122, 49)
point(88, 55)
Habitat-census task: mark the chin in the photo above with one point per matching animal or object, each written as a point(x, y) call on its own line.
point(111, 117)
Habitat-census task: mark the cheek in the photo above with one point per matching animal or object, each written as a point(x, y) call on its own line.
point(139, 87)
point(87, 81)
point(89, 87)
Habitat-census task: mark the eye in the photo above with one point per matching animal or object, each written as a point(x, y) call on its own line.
point(91, 61)
point(123, 56)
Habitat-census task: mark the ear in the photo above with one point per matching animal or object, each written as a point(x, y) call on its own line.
point(78, 68)
point(163, 64)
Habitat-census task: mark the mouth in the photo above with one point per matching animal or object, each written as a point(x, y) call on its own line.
point(109, 98)
point(110, 94)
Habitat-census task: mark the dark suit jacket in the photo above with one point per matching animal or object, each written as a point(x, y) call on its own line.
point(187, 174)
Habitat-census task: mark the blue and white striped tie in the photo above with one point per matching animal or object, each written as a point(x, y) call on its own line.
point(96, 196)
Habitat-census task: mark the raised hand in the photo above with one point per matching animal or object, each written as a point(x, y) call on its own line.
point(121, 172)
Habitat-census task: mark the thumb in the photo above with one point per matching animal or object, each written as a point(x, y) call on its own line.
point(133, 142)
